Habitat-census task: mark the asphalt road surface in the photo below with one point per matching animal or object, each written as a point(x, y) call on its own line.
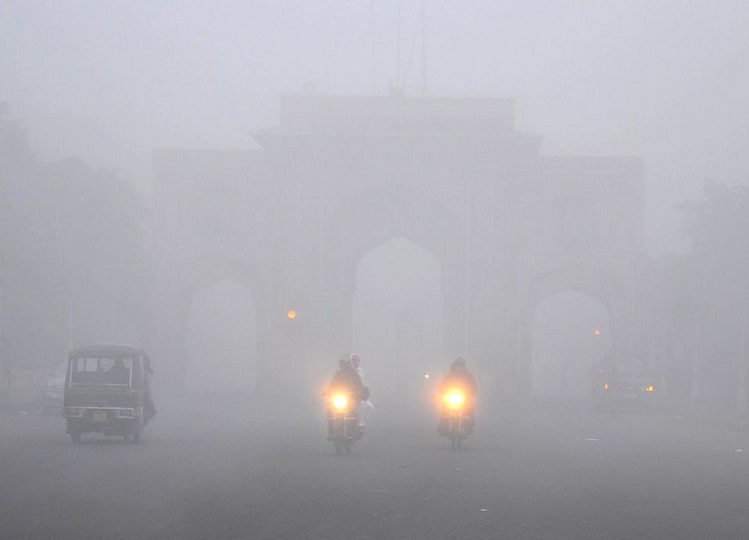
point(233, 469)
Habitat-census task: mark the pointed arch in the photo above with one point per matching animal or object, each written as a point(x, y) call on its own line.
point(192, 276)
point(389, 212)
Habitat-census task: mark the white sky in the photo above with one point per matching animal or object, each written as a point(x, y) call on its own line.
point(109, 81)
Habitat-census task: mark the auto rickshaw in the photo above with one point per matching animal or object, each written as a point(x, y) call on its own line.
point(108, 391)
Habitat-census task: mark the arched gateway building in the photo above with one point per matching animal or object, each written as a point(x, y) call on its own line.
point(339, 176)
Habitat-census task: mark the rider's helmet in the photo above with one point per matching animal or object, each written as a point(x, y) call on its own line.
point(355, 360)
point(344, 362)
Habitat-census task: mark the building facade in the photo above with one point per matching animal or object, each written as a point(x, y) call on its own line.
point(339, 176)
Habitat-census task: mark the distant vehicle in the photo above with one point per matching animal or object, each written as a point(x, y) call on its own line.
point(107, 390)
point(623, 384)
point(54, 390)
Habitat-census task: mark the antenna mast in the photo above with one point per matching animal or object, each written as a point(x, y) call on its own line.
point(423, 50)
point(398, 48)
point(372, 17)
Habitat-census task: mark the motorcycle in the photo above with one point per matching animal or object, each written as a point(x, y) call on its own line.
point(343, 422)
point(457, 418)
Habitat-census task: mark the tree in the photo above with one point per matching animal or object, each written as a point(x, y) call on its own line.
point(76, 267)
point(15, 156)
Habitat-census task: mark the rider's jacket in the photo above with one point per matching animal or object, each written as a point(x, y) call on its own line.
point(460, 377)
point(347, 380)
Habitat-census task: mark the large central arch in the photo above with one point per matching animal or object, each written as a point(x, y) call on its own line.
point(389, 212)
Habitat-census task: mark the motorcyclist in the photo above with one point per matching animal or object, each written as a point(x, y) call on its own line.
point(459, 377)
point(365, 403)
point(347, 380)
point(356, 364)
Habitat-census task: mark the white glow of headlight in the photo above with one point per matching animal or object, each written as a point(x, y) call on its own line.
point(340, 401)
point(455, 398)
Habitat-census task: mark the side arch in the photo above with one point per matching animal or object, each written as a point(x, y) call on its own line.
point(188, 278)
point(599, 284)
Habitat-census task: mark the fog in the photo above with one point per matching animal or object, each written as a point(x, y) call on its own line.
point(108, 82)
point(398, 315)
point(556, 192)
point(222, 345)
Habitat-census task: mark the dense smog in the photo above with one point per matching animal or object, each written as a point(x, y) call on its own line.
point(379, 270)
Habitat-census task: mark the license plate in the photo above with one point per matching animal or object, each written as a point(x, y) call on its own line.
point(99, 416)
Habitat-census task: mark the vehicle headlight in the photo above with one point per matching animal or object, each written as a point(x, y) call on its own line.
point(340, 401)
point(650, 388)
point(455, 399)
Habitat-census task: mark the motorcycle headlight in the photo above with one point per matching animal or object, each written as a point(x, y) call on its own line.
point(650, 388)
point(455, 399)
point(340, 402)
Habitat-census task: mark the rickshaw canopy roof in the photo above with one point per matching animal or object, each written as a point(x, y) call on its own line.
point(107, 349)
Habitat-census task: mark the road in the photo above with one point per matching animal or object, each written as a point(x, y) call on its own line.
point(232, 469)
